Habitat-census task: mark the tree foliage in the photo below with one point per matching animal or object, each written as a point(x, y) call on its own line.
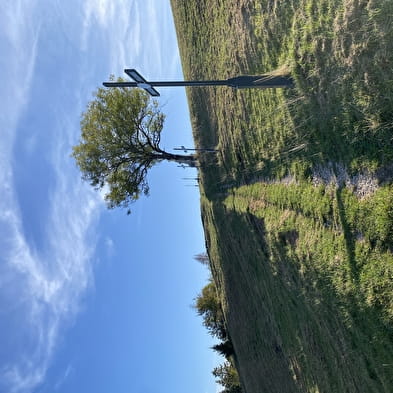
point(224, 348)
point(120, 137)
point(202, 258)
point(228, 377)
point(208, 305)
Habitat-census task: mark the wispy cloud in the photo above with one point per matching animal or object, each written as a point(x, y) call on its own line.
point(68, 371)
point(138, 32)
point(40, 291)
point(41, 288)
point(113, 21)
point(49, 284)
point(18, 66)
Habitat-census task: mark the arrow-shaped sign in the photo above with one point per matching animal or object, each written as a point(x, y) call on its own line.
point(141, 82)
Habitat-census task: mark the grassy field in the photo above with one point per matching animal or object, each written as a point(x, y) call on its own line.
point(297, 205)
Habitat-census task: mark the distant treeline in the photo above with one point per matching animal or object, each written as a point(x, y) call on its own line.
point(208, 306)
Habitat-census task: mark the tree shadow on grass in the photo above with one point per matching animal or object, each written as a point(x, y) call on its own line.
point(290, 329)
point(348, 237)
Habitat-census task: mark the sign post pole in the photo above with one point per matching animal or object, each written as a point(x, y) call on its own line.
point(240, 82)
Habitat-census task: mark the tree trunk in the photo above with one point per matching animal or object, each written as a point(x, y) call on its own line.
point(185, 159)
point(178, 157)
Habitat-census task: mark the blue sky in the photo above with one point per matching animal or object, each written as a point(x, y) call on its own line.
point(93, 300)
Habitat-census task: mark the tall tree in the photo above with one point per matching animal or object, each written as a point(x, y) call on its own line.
point(202, 258)
point(228, 377)
point(120, 138)
point(208, 305)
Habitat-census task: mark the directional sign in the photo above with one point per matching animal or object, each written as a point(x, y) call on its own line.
point(142, 82)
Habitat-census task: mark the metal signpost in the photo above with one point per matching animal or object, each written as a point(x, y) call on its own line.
point(239, 82)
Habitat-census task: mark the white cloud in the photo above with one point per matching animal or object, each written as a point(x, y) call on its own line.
point(68, 371)
point(138, 34)
point(49, 284)
point(110, 246)
point(17, 67)
point(16, 382)
point(113, 20)
point(40, 291)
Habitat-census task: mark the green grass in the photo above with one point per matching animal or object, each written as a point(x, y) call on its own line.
point(303, 260)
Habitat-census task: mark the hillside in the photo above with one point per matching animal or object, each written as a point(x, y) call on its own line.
point(297, 205)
